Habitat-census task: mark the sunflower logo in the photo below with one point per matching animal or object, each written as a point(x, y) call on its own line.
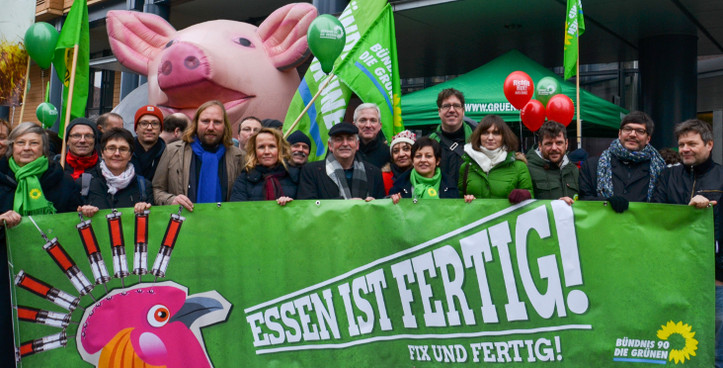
point(35, 193)
point(684, 330)
point(432, 192)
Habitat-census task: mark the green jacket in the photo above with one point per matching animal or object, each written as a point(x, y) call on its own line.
point(551, 182)
point(501, 180)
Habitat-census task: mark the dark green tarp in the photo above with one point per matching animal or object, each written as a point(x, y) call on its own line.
point(484, 95)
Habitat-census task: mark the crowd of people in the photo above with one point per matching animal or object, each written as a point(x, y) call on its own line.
point(174, 160)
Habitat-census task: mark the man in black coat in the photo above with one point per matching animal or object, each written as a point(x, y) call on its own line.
point(342, 175)
point(372, 144)
point(698, 182)
point(148, 147)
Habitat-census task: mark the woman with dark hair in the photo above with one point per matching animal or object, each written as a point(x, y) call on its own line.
point(30, 183)
point(489, 168)
point(114, 183)
point(425, 180)
point(401, 158)
point(267, 176)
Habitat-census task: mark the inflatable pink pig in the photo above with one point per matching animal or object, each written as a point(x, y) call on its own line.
point(251, 70)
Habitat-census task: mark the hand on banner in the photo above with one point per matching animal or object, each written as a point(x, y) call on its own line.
point(87, 210)
point(701, 202)
point(567, 200)
point(468, 198)
point(10, 218)
point(618, 203)
point(183, 201)
point(395, 198)
point(140, 207)
point(282, 201)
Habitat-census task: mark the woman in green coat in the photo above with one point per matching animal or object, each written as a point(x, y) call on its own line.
point(489, 168)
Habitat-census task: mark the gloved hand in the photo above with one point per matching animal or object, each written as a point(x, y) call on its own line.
point(619, 204)
point(518, 195)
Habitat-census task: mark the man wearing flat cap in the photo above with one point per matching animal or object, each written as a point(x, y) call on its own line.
point(148, 147)
point(342, 175)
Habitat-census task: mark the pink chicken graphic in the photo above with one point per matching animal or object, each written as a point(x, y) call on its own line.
point(150, 326)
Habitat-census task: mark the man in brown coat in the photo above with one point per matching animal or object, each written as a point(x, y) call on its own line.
point(201, 167)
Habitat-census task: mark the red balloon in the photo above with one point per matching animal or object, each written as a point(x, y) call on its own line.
point(519, 89)
point(560, 109)
point(533, 115)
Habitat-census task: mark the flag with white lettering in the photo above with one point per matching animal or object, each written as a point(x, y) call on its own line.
point(371, 71)
point(574, 28)
point(330, 108)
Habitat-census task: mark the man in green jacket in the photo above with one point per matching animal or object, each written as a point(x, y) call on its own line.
point(553, 175)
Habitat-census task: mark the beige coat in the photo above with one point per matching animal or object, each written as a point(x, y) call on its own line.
point(173, 170)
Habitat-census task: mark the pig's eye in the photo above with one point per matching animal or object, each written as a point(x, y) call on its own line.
point(169, 44)
point(244, 42)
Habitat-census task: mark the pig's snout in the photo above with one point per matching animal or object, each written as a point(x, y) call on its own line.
point(182, 64)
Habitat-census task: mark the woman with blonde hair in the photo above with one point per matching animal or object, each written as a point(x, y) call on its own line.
point(267, 175)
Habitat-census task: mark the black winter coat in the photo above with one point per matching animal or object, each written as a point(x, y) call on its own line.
point(679, 184)
point(376, 152)
point(139, 189)
point(315, 184)
point(249, 186)
point(403, 185)
point(630, 179)
point(58, 188)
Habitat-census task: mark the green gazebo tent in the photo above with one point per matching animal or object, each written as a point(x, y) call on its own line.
point(484, 95)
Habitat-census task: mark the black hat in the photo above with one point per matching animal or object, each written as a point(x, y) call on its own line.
point(83, 121)
point(271, 123)
point(343, 128)
point(298, 137)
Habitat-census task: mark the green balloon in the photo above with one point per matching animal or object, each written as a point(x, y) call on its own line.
point(47, 114)
point(40, 40)
point(546, 88)
point(326, 37)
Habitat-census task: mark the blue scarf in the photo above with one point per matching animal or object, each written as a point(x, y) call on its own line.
point(604, 167)
point(209, 187)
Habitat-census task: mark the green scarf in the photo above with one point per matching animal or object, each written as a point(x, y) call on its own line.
point(29, 198)
point(426, 188)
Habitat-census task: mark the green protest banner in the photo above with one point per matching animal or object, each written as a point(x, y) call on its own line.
point(357, 284)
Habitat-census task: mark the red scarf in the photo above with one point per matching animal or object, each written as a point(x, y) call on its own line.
point(80, 164)
point(272, 186)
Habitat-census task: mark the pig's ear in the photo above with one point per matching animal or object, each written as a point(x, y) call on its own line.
point(284, 34)
point(136, 38)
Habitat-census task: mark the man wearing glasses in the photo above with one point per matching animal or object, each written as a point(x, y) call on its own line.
point(81, 140)
point(627, 170)
point(148, 148)
point(453, 132)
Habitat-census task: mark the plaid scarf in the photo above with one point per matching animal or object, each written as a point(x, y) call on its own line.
point(29, 197)
point(605, 173)
point(359, 178)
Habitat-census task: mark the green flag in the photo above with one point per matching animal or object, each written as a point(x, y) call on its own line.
point(330, 107)
point(371, 71)
point(574, 28)
point(74, 32)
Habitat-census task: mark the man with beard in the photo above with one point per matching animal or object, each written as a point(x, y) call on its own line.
point(342, 175)
point(300, 148)
point(698, 182)
point(147, 147)
point(201, 167)
point(628, 169)
point(553, 175)
point(367, 119)
point(453, 132)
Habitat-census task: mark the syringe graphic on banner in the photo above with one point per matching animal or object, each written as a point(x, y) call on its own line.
point(66, 264)
point(46, 343)
point(43, 317)
point(169, 241)
point(117, 246)
point(92, 250)
point(140, 254)
point(46, 291)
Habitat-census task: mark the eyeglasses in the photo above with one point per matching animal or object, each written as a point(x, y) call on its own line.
point(78, 136)
point(449, 106)
point(112, 149)
point(639, 131)
point(145, 124)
